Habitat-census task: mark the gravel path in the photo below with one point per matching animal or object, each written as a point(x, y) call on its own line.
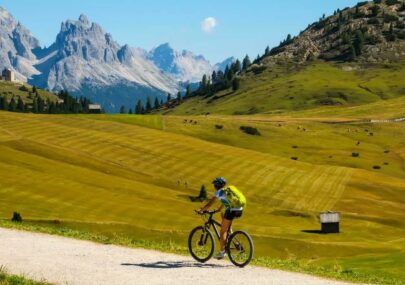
point(67, 261)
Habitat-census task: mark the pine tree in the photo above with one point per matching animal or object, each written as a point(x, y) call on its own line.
point(179, 99)
point(138, 108)
point(214, 77)
point(203, 193)
point(156, 104)
point(229, 75)
point(1, 103)
point(34, 89)
point(148, 105)
point(246, 62)
point(5, 103)
point(122, 109)
point(352, 54)
point(267, 51)
point(220, 76)
point(130, 111)
point(236, 67)
point(169, 97)
point(188, 90)
point(13, 105)
point(203, 83)
point(35, 105)
point(358, 43)
point(41, 105)
point(235, 84)
point(51, 107)
point(20, 105)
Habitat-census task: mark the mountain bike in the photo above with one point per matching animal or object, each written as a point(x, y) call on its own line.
point(201, 242)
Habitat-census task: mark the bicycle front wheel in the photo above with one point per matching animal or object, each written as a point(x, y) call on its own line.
point(201, 244)
point(240, 248)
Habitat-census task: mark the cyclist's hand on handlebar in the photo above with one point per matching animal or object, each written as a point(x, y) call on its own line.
point(199, 211)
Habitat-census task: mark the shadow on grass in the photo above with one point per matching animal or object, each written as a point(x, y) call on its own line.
point(175, 264)
point(318, 232)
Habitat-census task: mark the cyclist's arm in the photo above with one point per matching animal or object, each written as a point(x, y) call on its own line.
point(209, 204)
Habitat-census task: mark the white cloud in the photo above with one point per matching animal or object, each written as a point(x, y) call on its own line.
point(208, 25)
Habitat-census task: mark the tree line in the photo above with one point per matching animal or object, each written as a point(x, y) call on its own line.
point(150, 105)
point(66, 104)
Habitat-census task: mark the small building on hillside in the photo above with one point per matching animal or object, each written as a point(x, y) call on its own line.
point(8, 75)
point(95, 108)
point(330, 222)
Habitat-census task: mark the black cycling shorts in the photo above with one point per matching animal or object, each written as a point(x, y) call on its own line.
point(232, 214)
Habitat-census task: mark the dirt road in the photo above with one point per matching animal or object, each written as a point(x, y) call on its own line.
point(67, 261)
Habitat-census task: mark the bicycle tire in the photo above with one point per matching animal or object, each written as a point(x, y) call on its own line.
point(206, 235)
point(234, 241)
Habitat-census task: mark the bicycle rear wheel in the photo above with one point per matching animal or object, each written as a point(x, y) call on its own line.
point(240, 248)
point(201, 244)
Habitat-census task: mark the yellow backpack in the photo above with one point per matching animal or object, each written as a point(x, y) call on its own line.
point(235, 197)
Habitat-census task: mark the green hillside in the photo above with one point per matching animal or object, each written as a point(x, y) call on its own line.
point(9, 90)
point(280, 89)
point(116, 176)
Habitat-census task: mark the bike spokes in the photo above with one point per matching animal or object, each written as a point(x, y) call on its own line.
point(240, 248)
point(201, 244)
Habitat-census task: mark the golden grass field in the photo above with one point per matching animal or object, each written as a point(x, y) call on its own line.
point(126, 174)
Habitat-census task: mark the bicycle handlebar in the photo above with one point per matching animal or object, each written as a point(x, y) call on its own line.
point(206, 212)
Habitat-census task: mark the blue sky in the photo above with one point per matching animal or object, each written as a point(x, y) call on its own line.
point(238, 27)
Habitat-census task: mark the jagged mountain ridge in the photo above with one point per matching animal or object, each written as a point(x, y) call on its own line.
point(16, 47)
point(87, 61)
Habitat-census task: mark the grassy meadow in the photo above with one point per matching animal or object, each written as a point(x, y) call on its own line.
point(10, 90)
point(292, 87)
point(132, 176)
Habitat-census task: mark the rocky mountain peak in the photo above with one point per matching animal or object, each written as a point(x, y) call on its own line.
point(83, 19)
point(16, 45)
point(90, 42)
point(184, 65)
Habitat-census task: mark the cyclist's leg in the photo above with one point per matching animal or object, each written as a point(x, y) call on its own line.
point(224, 231)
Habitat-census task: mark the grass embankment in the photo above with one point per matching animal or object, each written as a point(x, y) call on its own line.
point(100, 176)
point(9, 90)
point(290, 87)
point(8, 279)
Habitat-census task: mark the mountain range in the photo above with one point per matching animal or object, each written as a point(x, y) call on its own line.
point(86, 61)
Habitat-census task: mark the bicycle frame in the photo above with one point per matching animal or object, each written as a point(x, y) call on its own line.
point(215, 224)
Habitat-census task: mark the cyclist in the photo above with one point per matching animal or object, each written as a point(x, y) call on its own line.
point(233, 201)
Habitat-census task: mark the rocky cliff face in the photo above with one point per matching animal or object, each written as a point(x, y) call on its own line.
point(16, 47)
point(184, 66)
point(369, 32)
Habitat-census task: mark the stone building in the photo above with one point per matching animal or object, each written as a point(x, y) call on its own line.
point(8, 75)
